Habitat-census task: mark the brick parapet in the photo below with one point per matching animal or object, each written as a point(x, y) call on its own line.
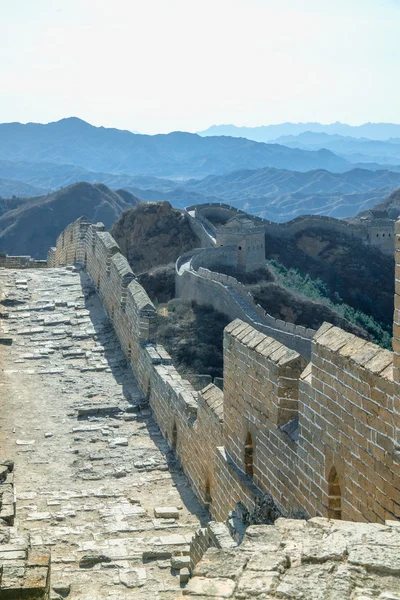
point(286, 229)
point(340, 411)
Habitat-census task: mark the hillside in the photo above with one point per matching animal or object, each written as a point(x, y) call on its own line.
point(279, 195)
point(391, 204)
point(32, 227)
point(152, 234)
point(276, 194)
point(11, 187)
point(175, 155)
point(51, 176)
point(353, 273)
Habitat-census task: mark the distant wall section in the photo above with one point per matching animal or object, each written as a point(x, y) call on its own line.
point(21, 262)
point(197, 283)
point(376, 233)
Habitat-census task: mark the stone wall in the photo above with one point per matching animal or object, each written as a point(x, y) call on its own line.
point(21, 262)
point(347, 426)
point(287, 229)
point(317, 559)
point(24, 570)
point(381, 234)
point(323, 438)
point(249, 243)
point(211, 258)
point(373, 233)
point(215, 535)
point(261, 381)
point(320, 438)
point(226, 294)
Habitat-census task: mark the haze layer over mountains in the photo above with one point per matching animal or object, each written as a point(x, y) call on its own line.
point(336, 170)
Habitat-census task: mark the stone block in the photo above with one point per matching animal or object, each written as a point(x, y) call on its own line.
point(184, 575)
point(213, 588)
point(180, 562)
point(383, 559)
point(255, 583)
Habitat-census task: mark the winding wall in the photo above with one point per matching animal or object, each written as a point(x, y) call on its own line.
point(195, 281)
point(287, 229)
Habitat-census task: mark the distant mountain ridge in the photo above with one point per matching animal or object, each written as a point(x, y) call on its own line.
point(175, 155)
point(353, 149)
point(267, 133)
point(279, 195)
point(275, 194)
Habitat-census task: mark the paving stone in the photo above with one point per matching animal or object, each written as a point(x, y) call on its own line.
point(166, 512)
point(212, 588)
point(387, 561)
point(73, 495)
point(119, 442)
point(134, 578)
point(180, 562)
point(184, 575)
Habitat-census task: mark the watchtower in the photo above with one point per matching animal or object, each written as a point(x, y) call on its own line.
point(249, 240)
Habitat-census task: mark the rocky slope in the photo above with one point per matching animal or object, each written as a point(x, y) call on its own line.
point(11, 187)
point(152, 234)
point(33, 226)
point(284, 304)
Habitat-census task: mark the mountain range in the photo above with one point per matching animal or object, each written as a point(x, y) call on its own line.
point(177, 155)
point(277, 194)
point(360, 150)
point(268, 133)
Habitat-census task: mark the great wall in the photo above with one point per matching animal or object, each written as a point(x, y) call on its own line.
point(375, 229)
point(304, 438)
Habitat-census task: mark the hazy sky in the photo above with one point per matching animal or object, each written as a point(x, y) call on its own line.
point(163, 65)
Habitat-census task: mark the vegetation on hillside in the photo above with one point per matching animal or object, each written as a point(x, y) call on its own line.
point(193, 336)
point(287, 294)
point(361, 275)
point(159, 283)
point(320, 291)
point(31, 225)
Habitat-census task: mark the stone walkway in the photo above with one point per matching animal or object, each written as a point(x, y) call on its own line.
point(90, 463)
point(319, 559)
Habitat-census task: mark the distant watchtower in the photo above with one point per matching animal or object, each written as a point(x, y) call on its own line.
point(249, 239)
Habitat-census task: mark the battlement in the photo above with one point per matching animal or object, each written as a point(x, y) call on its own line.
point(321, 437)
